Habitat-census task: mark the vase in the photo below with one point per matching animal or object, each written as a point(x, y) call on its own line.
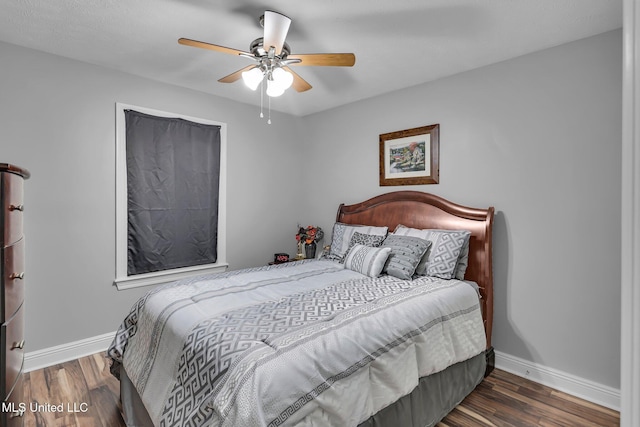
point(310, 250)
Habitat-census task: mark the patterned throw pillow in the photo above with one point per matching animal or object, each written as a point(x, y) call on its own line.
point(446, 258)
point(342, 237)
point(406, 252)
point(366, 259)
point(365, 239)
point(445, 250)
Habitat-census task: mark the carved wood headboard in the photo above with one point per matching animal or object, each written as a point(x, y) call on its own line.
point(423, 210)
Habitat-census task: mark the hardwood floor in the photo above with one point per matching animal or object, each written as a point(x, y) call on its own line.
point(90, 398)
point(86, 380)
point(504, 399)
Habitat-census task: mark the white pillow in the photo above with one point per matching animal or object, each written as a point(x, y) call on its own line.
point(367, 260)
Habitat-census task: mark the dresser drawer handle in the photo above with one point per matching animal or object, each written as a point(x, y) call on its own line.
point(14, 276)
point(16, 414)
point(16, 208)
point(18, 345)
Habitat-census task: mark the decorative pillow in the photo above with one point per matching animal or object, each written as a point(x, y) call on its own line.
point(446, 257)
point(366, 260)
point(402, 230)
point(406, 252)
point(342, 237)
point(365, 239)
point(436, 237)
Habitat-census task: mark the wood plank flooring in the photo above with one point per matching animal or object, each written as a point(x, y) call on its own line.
point(501, 400)
point(505, 400)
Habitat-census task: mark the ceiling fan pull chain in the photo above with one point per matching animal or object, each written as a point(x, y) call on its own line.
point(261, 98)
point(269, 120)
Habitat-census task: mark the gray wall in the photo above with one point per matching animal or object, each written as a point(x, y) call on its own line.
point(539, 138)
point(57, 119)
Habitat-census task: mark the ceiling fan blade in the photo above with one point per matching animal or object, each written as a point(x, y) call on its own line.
point(215, 47)
point(325, 59)
point(299, 84)
point(276, 27)
point(235, 76)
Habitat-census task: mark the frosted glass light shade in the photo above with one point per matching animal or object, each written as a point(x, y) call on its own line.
point(274, 89)
point(279, 81)
point(276, 27)
point(283, 78)
point(252, 78)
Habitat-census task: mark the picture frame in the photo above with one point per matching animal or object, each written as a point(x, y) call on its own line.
point(411, 156)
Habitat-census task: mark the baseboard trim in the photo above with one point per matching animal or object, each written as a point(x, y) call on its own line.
point(63, 353)
point(568, 383)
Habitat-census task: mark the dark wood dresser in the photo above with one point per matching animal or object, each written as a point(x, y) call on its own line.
point(11, 294)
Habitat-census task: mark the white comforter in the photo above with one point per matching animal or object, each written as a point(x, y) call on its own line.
point(298, 344)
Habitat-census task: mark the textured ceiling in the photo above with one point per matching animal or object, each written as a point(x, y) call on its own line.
point(397, 43)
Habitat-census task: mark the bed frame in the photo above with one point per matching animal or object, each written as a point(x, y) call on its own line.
point(423, 210)
point(417, 210)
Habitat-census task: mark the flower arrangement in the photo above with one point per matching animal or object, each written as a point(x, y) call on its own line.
point(309, 234)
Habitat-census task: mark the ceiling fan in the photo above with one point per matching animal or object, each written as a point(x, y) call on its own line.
point(273, 58)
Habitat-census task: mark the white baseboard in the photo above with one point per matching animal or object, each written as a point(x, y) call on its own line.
point(571, 384)
point(63, 353)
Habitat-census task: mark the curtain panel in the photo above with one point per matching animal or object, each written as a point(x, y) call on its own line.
point(173, 175)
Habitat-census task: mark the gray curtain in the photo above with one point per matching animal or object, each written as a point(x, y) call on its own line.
point(173, 174)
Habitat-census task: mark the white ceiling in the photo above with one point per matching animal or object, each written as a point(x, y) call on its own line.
point(397, 43)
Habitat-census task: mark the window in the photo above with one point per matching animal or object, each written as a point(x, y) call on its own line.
point(170, 196)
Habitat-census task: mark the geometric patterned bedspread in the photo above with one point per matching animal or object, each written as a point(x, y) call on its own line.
point(300, 344)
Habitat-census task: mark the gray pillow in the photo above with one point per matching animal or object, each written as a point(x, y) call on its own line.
point(451, 247)
point(444, 253)
point(406, 252)
point(371, 240)
point(366, 259)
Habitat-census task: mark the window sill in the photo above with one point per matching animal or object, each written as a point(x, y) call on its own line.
point(161, 277)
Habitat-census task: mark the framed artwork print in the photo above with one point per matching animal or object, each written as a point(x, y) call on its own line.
point(410, 157)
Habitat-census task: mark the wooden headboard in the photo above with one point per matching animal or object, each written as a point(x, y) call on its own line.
point(423, 210)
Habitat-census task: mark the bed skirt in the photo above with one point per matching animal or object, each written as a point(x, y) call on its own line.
point(434, 397)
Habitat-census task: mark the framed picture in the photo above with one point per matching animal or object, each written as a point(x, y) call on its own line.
point(410, 157)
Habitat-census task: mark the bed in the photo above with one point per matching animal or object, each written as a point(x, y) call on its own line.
point(319, 342)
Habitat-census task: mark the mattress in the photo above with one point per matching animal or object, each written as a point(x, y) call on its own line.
point(301, 344)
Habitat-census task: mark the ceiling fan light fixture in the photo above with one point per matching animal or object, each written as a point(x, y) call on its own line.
point(252, 78)
point(272, 58)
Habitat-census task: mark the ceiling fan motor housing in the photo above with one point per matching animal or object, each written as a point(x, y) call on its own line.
point(257, 48)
